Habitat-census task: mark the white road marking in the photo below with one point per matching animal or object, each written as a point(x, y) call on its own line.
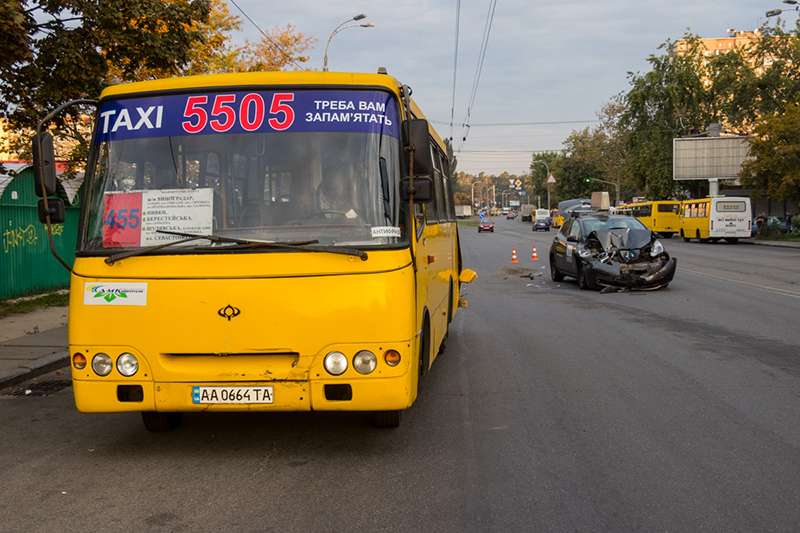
point(776, 290)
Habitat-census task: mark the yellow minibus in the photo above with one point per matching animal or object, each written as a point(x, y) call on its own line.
point(661, 216)
point(278, 241)
point(711, 219)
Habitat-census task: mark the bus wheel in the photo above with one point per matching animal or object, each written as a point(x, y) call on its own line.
point(161, 422)
point(386, 419)
point(684, 237)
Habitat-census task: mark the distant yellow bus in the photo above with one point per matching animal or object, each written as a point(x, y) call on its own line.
point(281, 241)
point(710, 219)
point(661, 216)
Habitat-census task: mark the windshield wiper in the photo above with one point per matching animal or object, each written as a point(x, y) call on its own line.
point(237, 244)
point(306, 246)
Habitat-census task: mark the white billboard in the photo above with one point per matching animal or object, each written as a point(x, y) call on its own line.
point(702, 158)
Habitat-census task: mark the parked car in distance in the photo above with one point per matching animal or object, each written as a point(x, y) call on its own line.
point(542, 224)
point(511, 215)
point(485, 225)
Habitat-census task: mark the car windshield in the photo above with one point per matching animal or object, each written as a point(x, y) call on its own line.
point(294, 166)
point(613, 222)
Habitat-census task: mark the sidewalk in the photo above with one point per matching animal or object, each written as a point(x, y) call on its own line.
point(32, 343)
point(780, 244)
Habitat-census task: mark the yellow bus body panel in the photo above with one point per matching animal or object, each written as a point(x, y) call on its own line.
point(288, 319)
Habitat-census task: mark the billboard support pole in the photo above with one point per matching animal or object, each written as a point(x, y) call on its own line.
point(713, 187)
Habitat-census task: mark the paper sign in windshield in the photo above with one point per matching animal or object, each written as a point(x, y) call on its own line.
point(385, 232)
point(132, 219)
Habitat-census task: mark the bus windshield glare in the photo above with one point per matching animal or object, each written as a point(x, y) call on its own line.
point(260, 165)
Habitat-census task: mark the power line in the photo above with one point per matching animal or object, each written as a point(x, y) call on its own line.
point(269, 39)
point(532, 123)
point(507, 151)
point(455, 69)
point(487, 30)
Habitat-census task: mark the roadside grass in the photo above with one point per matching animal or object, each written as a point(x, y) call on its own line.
point(468, 222)
point(26, 305)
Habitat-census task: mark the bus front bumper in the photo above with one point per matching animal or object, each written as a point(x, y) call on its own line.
point(360, 394)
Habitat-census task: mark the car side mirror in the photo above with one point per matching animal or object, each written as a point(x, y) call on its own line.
point(420, 142)
point(420, 187)
point(44, 164)
point(56, 209)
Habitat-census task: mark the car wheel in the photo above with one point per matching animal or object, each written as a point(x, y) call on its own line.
point(160, 422)
point(555, 275)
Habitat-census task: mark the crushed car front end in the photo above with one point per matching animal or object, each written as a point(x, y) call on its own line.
point(629, 259)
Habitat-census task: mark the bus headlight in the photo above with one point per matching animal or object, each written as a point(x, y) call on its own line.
point(657, 248)
point(101, 364)
point(365, 362)
point(335, 363)
point(127, 364)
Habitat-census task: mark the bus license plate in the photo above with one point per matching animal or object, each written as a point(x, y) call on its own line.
point(204, 395)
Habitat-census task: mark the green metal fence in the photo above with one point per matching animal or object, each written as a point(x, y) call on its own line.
point(26, 265)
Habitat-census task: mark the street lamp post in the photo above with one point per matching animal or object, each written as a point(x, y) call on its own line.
point(550, 178)
point(341, 27)
point(776, 12)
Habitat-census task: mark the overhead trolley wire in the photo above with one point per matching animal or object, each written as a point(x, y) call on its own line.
point(455, 70)
point(487, 30)
point(277, 46)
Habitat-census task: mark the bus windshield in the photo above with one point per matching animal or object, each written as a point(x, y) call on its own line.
point(228, 166)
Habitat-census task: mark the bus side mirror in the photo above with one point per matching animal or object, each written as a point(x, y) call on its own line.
point(419, 140)
point(467, 276)
point(420, 187)
point(44, 165)
point(56, 209)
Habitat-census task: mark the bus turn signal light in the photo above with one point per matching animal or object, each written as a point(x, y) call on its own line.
point(79, 361)
point(392, 357)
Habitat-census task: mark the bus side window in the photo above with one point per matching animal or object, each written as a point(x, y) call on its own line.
point(447, 192)
point(436, 210)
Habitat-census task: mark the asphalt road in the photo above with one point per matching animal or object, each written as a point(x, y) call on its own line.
point(553, 409)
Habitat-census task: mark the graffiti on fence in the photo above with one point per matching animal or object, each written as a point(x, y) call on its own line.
point(26, 236)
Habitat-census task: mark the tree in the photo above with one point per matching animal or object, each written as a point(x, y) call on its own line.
point(775, 150)
point(284, 47)
point(61, 50)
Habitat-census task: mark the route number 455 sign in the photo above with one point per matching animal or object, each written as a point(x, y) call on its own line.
point(131, 219)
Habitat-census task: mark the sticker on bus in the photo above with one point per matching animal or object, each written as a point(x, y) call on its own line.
point(114, 293)
point(133, 218)
point(385, 232)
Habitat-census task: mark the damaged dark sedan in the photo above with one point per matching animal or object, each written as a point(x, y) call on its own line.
point(610, 251)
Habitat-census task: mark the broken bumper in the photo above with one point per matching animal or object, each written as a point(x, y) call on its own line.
point(644, 275)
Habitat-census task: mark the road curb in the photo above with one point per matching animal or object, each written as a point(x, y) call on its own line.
point(38, 367)
point(776, 244)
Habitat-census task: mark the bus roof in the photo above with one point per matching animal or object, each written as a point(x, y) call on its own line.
point(252, 79)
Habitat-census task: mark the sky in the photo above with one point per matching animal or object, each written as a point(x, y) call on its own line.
point(546, 60)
